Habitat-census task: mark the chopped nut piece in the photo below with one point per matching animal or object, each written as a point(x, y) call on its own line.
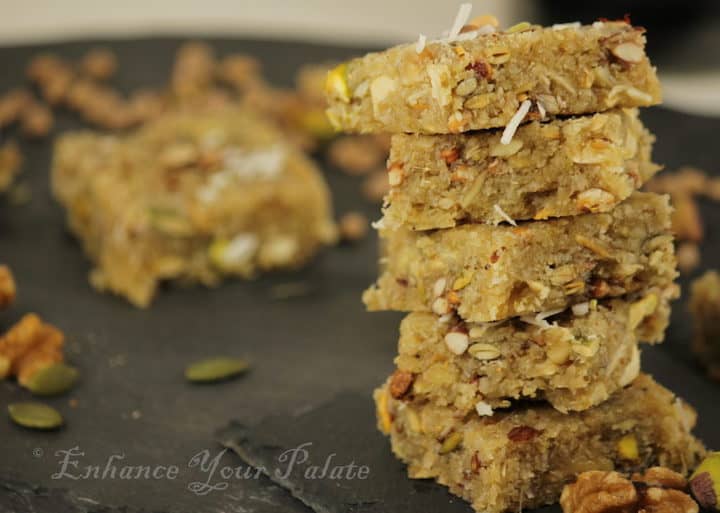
point(457, 342)
point(29, 346)
point(686, 220)
point(688, 256)
point(395, 175)
point(353, 226)
point(662, 477)
point(662, 500)
point(605, 492)
point(400, 383)
point(705, 310)
point(240, 71)
point(99, 63)
point(7, 287)
point(522, 434)
point(376, 185)
point(12, 105)
point(37, 121)
point(705, 482)
point(356, 155)
point(599, 492)
point(10, 162)
point(628, 52)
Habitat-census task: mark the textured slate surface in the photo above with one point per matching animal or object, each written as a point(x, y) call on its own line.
point(132, 400)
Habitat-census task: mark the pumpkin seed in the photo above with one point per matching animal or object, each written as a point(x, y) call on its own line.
point(35, 415)
point(215, 369)
point(53, 380)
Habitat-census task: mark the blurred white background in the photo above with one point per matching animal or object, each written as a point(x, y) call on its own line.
point(348, 22)
point(351, 22)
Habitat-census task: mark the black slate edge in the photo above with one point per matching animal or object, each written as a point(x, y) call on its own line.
point(21, 497)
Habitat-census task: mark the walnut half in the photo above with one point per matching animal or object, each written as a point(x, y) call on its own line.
point(659, 490)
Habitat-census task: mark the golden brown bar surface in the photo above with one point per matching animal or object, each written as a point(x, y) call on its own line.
point(560, 168)
point(488, 273)
point(456, 86)
point(574, 360)
point(522, 458)
point(193, 197)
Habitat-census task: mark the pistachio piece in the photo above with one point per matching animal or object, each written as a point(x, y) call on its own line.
point(627, 448)
point(464, 280)
point(53, 380)
point(336, 83)
point(35, 416)
point(705, 482)
point(451, 443)
point(215, 369)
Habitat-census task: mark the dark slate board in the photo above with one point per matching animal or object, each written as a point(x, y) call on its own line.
point(133, 401)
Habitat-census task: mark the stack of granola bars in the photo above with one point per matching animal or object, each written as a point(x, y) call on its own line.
point(514, 234)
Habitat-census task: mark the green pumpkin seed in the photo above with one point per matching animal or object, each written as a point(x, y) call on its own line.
point(215, 369)
point(35, 415)
point(53, 380)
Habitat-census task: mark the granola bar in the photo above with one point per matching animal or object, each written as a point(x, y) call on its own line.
point(488, 273)
point(575, 359)
point(561, 168)
point(522, 458)
point(194, 197)
point(483, 81)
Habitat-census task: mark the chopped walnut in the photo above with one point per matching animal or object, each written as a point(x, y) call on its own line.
point(688, 257)
point(686, 220)
point(7, 287)
point(356, 155)
point(599, 492)
point(10, 162)
point(37, 120)
point(662, 477)
point(353, 226)
point(658, 490)
point(28, 347)
point(376, 185)
point(705, 310)
point(99, 63)
point(663, 500)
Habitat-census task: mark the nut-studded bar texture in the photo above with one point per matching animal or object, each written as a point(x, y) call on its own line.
point(522, 458)
point(561, 168)
point(190, 196)
point(574, 360)
point(479, 83)
point(488, 273)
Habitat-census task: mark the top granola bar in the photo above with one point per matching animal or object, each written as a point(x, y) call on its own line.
point(494, 80)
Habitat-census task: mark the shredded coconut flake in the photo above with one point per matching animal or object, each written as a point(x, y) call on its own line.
point(541, 110)
point(379, 224)
point(420, 46)
point(504, 215)
point(484, 409)
point(460, 20)
point(239, 164)
point(539, 319)
point(515, 121)
point(562, 26)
